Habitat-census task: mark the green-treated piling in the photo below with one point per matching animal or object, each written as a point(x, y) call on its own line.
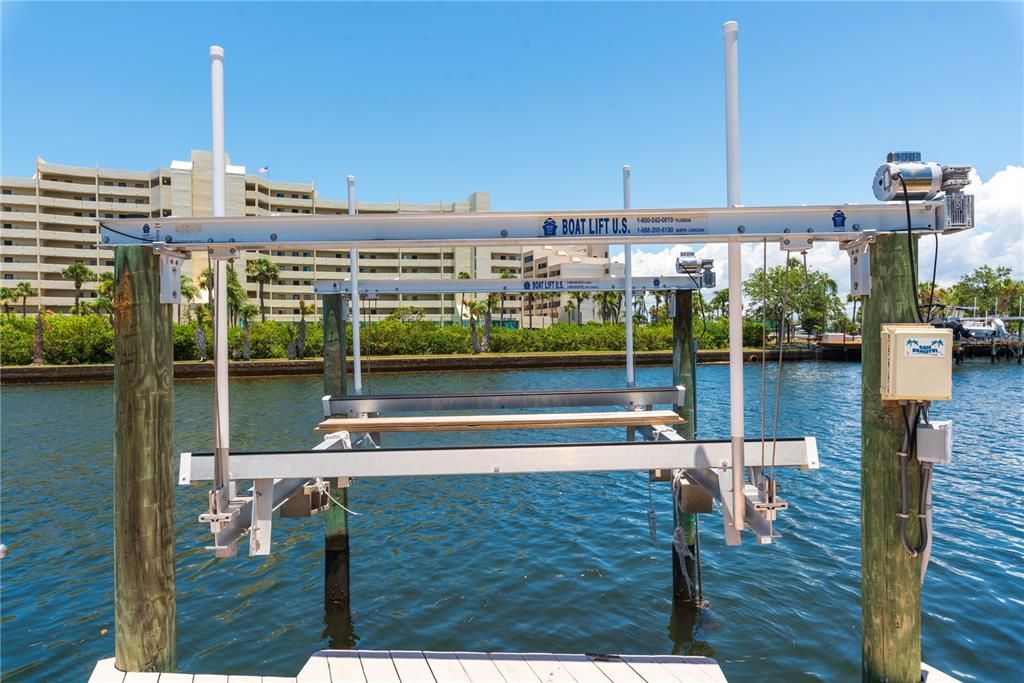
point(144, 590)
point(336, 548)
point(890, 579)
point(684, 373)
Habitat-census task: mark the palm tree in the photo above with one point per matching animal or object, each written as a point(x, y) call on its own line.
point(304, 310)
point(205, 280)
point(105, 301)
point(579, 298)
point(236, 295)
point(6, 297)
point(463, 275)
point(248, 312)
point(262, 270)
point(78, 273)
point(24, 290)
point(570, 308)
point(609, 304)
point(188, 292)
point(506, 274)
point(477, 309)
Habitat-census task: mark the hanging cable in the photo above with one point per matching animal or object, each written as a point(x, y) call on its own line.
point(909, 449)
point(125, 234)
point(910, 251)
point(778, 379)
point(703, 313)
point(764, 347)
point(935, 269)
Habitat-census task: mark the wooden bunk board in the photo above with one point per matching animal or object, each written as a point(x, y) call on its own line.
point(474, 423)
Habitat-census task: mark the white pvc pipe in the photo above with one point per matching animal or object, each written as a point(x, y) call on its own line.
point(222, 485)
point(353, 268)
point(730, 31)
point(628, 294)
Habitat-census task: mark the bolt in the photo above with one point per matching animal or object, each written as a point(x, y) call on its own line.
point(741, 228)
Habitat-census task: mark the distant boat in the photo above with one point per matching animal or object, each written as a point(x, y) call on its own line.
point(985, 328)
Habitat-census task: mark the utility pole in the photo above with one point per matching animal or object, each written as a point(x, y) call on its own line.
point(890, 578)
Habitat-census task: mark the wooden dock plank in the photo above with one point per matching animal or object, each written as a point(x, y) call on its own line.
point(343, 666)
point(142, 677)
point(472, 423)
point(548, 668)
point(278, 679)
point(106, 672)
point(617, 670)
point(177, 678)
point(211, 678)
point(411, 666)
point(479, 667)
point(672, 669)
point(582, 668)
point(317, 669)
point(446, 667)
point(377, 667)
point(245, 679)
point(513, 667)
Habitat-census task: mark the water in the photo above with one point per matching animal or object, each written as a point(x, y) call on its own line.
point(520, 563)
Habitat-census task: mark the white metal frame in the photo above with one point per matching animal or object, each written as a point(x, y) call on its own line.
point(511, 286)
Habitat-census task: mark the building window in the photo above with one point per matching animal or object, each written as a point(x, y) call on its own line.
point(107, 183)
point(295, 253)
point(295, 267)
point(295, 196)
point(11, 225)
point(295, 210)
point(280, 194)
point(122, 184)
point(306, 253)
point(8, 276)
point(122, 200)
point(8, 243)
point(6, 191)
point(140, 201)
point(165, 181)
point(139, 185)
point(8, 259)
point(108, 215)
point(305, 196)
point(78, 213)
point(305, 211)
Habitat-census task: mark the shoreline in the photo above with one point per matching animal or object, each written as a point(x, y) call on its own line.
point(50, 374)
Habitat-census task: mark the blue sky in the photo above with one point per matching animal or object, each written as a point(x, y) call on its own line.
point(538, 104)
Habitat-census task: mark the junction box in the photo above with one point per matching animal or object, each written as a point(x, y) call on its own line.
point(917, 363)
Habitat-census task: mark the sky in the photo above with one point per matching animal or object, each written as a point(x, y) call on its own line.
point(538, 104)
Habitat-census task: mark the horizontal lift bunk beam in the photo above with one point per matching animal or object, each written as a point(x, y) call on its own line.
point(426, 462)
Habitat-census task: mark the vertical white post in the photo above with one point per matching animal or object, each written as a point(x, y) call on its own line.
point(730, 32)
point(222, 485)
point(628, 294)
point(353, 260)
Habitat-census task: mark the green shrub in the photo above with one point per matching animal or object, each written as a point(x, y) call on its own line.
point(268, 339)
point(453, 339)
point(185, 347)
point(74, 339)
point(17, 336)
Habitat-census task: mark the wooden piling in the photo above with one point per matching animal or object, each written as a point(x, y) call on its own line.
point(890, 578)
point(144, 481)
point(684, 373)
point(336, 548)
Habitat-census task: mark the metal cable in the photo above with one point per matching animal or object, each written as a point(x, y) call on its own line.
point(778, 377)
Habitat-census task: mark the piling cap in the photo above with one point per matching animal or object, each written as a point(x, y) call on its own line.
point(730, 27)
point(216, 52)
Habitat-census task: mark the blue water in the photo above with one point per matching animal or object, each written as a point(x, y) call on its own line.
point(521, 563)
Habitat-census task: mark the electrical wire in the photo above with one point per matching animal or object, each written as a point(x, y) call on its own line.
point(125, 234)
point(778, 378)
point(703, 312)
point(935, 269)
point(909, 449)
point(910, 250)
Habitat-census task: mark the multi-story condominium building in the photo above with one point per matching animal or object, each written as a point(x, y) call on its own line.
point(49, 223)
point(541, 308)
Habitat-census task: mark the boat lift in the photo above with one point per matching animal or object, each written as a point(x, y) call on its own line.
point(747, 500)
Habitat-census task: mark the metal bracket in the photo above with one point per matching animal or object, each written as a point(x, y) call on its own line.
point(791, 244)
point(859, 251)
point(224, 252)
point(170, 273)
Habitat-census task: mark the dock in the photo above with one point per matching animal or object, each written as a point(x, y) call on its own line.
point(414, 666)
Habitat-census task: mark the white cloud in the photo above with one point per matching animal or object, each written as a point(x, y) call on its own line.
point(998, 240)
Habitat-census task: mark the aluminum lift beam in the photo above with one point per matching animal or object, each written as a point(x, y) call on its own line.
point(832, 222)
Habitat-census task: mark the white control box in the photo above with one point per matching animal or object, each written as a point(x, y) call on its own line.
point(935, 442)
point(917, 363)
